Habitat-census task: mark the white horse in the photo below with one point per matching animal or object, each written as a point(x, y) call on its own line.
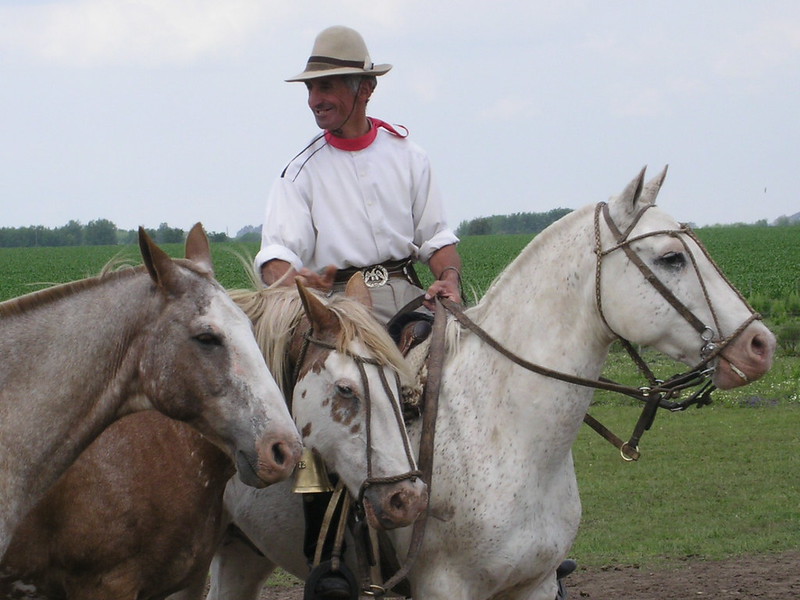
point(504, 506)
point(76, 357)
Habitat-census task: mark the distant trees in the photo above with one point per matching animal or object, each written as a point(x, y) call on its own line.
point(514, 223)
point(100, 232)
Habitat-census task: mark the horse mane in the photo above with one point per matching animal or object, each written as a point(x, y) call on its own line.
point(33, 300)
point(530, 254)
point(277, 311)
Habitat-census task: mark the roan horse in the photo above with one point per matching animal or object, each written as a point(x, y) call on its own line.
point(114, 526)
point(504, 505)
point(76, 357)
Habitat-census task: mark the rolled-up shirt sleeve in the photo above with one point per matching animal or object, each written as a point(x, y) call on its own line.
point(287, 233)
point(430, 223)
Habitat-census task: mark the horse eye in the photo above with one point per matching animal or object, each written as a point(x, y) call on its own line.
point(209, 339)
point(672, 260)
point(345, 390)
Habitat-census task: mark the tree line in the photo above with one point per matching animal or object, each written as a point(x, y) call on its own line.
point(529, 222)
point(100, 232)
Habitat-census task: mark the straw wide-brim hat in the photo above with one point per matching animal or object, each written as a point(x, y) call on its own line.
point(339, 50)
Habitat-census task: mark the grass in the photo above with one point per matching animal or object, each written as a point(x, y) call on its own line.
point(713, 482)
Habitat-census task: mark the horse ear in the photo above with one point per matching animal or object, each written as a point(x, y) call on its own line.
point(321, 317)
point(358, 290)
point(197, 248)
point(624, 207)
point(653, 186)
point(162, 269)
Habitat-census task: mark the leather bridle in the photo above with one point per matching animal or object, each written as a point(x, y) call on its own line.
point(413, 473)
point(658, 393)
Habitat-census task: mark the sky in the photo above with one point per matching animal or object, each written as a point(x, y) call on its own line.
point(176, 111)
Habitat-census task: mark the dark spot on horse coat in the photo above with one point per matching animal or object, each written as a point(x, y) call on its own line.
point(306, 430)
point(344, 410)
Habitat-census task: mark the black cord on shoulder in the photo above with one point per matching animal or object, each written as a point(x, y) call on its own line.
point(311, 143)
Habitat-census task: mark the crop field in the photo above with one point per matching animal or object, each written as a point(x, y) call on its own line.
point(763, 262)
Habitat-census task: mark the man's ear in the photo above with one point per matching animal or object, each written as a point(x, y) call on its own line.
point(365, 89)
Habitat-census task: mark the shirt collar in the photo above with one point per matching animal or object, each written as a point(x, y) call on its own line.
point(359, 143)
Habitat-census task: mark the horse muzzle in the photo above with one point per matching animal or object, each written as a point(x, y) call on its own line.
point(273, 461)
point(392, 505)
point(746, 359)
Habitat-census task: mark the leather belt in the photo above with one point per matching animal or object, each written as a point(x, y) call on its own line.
point(378, 275)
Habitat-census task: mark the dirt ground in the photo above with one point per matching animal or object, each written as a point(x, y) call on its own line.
point(776, 577)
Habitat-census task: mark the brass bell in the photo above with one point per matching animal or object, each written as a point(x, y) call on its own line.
point(310, 475)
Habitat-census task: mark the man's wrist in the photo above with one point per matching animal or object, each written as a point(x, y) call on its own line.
point(447, 272)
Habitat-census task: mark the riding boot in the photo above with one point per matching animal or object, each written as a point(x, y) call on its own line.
point(324, 584)
point(565, 568)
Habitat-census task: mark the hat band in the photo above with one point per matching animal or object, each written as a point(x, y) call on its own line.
point(315, 63)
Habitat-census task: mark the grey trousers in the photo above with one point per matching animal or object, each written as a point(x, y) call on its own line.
point(389, 298)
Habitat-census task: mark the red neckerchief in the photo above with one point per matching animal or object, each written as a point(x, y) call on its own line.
point(359, 143)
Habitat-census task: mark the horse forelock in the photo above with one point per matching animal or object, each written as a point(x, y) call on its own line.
point(276, 313)
point(358, 323)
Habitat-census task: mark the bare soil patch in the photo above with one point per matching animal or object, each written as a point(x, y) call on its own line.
point(776, 577)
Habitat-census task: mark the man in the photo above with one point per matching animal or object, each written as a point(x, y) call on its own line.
point(361, 195)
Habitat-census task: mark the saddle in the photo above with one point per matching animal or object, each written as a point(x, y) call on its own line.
point(409, 327)
point(414, 333)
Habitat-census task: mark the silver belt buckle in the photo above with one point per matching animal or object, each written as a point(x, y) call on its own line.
point(375, 276)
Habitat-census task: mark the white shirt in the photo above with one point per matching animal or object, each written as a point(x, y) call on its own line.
point(355, 208)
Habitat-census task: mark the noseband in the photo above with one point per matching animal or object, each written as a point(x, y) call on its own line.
point(413, 473)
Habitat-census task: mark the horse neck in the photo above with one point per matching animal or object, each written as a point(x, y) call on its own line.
point(542, 306)
point(73, 347)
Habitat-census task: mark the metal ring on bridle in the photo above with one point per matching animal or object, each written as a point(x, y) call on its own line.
point(373, 590)
point(625, 456)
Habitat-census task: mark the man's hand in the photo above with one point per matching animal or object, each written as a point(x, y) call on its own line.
point(322, 281)
point(447, 288)
point(280, 272)
point(445, 265)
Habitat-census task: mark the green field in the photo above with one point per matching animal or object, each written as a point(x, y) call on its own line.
point(714, 482)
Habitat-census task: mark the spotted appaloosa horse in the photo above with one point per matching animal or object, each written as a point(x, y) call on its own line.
point(504, 506)
point(139, 514)
point(76, 357)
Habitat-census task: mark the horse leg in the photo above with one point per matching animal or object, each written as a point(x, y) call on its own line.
point(196, 590)
point(239, 570)
point(108, 586)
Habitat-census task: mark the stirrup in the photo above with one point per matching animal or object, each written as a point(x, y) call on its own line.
point(324, 570)
point(566, 567)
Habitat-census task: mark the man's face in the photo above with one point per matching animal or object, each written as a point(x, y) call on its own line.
point(331, 100)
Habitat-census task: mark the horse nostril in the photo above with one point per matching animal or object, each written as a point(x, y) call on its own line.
point(397, 501)
point(278, 454)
